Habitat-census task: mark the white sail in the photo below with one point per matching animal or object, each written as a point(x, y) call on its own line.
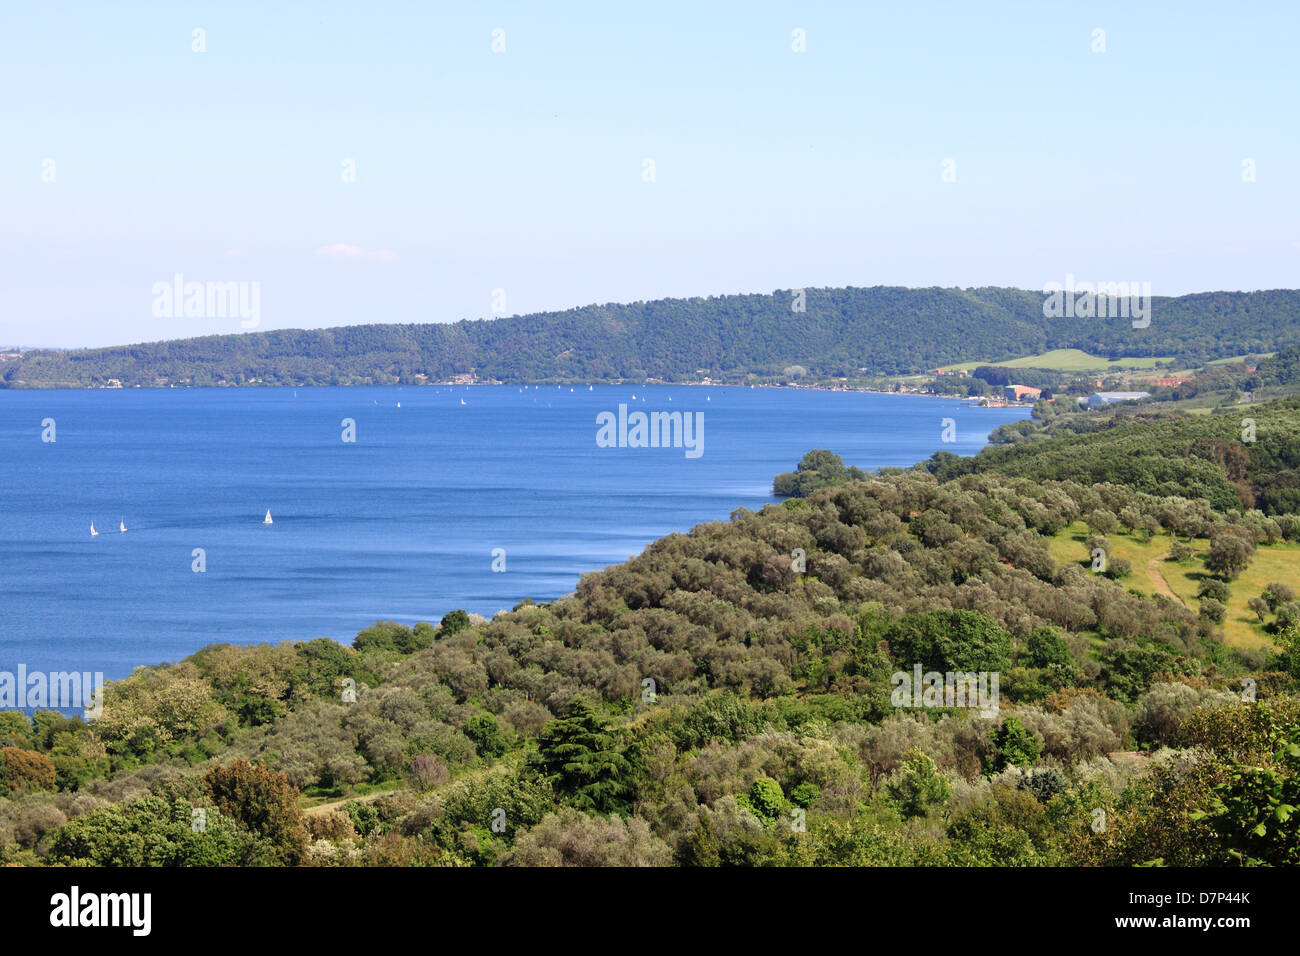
point(121, 525)
point(93, 532)
point(267, 519)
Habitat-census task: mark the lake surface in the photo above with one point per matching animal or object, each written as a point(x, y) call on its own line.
point(400, 524)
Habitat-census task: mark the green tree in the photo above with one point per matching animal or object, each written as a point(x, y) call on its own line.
point(1047, 649)
point(487, 736)
point(25, 770)
point(1102, 522)
point(385, 636)
point(154, 831)
point(263, 801)
point(15, 728)
point(950, 641)
point(1229, 555)
point(817, 469)
point(584, 762)
point(766, 800)
point(453, 622)
point(917, 785)
point(1016, 745)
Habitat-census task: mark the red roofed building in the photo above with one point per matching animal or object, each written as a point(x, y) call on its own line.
point(1022, 393)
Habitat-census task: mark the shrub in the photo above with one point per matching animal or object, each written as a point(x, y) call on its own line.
point(1117, 568)
point(570, 838)
point(1288, 615)
point(332, 825)
point(1277, 594)
point(429, 771)
point(25, 770)
point(1213, 588)
point(1043, 783)
point(1212, 610)
point(1162, 711)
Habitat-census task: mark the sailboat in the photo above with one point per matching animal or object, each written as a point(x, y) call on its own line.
point(93, 532)
point(121, 526)
point(267, 519)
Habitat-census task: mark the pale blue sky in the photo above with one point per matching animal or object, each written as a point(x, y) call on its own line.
point(523, 170)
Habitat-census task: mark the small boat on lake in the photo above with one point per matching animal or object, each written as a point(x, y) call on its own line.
point(267, 519)
point(93, 532)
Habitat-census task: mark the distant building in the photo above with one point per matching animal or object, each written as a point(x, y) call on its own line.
point(1021, 393)
point(1173, 381)
point(1100, 399)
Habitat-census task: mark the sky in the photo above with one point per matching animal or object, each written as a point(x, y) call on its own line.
point(509, 158)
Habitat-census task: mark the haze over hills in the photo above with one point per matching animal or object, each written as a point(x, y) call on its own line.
point(845, 332)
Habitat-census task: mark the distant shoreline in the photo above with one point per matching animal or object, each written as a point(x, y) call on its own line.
point(539, 385)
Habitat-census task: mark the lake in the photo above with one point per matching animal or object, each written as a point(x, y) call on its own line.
point(405, 522)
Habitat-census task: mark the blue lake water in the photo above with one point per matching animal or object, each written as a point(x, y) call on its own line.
point(400, 524)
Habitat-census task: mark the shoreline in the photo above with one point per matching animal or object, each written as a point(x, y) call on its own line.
point(421, 385)
point(345, 635)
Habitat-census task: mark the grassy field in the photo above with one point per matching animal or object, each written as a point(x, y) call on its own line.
point(1153, 574)
point(1237, 358)
point(1276, 562)
point(1231, 360)
point(1068, 360)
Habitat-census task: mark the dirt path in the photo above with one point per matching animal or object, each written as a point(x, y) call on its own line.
point(1158, 579)
point(323, 807)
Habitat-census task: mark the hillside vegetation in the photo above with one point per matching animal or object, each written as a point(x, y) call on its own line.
point(846, 332)
point(1236, 458)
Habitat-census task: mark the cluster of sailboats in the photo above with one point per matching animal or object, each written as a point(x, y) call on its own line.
point(121, 525)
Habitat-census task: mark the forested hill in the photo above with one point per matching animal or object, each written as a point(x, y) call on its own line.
point(840, 332)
